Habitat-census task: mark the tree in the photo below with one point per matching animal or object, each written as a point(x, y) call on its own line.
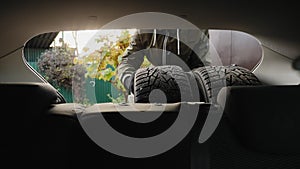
point(102, 63)
point(58, 68)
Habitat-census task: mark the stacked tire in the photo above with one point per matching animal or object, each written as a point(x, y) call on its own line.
point(172, 81)
point(212, 78)
point(176, 85)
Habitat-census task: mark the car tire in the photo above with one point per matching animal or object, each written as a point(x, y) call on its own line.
point(212, 78)
point(169, 79)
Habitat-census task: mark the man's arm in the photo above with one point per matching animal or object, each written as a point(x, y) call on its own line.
point(131, 61)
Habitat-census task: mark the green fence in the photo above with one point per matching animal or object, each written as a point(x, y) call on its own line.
point(32, 55)
point(96, 91)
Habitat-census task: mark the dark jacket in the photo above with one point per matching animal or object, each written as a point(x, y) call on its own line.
point(185, 48)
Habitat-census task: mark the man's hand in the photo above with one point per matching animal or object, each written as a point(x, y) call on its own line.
point(129, 83)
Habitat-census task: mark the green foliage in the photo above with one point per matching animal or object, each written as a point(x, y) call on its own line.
point(102, 63)
point(56, 64)
point(118, 99)
point(146, 63)
point(58, 68)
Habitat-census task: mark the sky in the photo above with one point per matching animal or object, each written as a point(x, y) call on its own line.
point(82, 36)
point(85, 38)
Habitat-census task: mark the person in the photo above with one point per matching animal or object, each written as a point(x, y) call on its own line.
point(188, 49)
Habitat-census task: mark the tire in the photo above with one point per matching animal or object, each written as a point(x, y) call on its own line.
point(212, 78)
point(171, 80)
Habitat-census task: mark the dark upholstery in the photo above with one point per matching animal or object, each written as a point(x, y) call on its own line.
point(60, 137)
point(39, 133)
point(226, 151)
point(266, 118)
point(259, 130)
point(22, 107)
point(73, 148)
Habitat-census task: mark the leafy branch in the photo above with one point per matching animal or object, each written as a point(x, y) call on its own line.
point(102, 62)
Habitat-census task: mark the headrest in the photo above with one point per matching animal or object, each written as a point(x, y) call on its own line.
point(28, 95)
point(265, 118)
